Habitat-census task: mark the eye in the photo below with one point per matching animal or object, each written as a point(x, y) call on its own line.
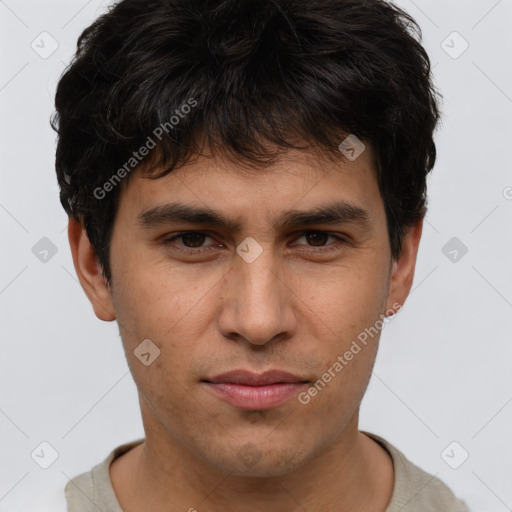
point(192, 242)
point(316, 238)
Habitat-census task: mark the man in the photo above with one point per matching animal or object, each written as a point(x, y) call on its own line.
point(246, 186)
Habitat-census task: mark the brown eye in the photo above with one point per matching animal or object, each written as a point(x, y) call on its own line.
point(192, 239)
point(189, 242)
point(316, 242)
point(316, 238)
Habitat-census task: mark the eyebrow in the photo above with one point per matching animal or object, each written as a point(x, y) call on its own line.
point(335, 213)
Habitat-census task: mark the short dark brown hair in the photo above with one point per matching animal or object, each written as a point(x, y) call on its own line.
point(254, 75)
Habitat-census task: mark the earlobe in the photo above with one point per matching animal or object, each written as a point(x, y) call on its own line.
point(402, 274)
point(89, 271)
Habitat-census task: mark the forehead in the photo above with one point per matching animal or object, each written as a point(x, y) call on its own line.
point(297, 180)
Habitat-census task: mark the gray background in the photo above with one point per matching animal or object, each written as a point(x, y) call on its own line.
point(443, 370)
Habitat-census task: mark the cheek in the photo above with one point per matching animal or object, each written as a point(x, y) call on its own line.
point(167, 402)
point(172, 311)
point(344, 315)
point(346, 299)
point(157, 301)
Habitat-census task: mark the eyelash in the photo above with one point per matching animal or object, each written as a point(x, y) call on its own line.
point(169, 242)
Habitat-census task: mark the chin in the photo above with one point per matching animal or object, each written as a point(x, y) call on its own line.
point(257, 460)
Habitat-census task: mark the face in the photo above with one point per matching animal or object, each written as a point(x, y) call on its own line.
point(259, 285)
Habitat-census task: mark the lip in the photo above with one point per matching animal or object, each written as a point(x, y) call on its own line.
point(252, 391)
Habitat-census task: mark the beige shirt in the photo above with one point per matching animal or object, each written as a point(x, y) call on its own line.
point(414, 490)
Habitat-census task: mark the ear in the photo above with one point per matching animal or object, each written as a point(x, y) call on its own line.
point(89, 271)
point(402, 271)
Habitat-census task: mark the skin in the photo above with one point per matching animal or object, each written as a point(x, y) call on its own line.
point(292, 309)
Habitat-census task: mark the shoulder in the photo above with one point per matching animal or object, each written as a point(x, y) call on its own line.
point(415, 489)
point(88, 492)
point(92, 491)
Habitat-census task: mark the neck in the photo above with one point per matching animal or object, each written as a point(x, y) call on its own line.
point(354, 473)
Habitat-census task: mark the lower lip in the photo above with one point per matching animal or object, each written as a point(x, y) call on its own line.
point(256, 398)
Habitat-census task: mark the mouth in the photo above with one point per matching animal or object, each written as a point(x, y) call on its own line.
point(250, 391)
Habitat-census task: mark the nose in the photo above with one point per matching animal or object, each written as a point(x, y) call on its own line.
point(257, 304)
